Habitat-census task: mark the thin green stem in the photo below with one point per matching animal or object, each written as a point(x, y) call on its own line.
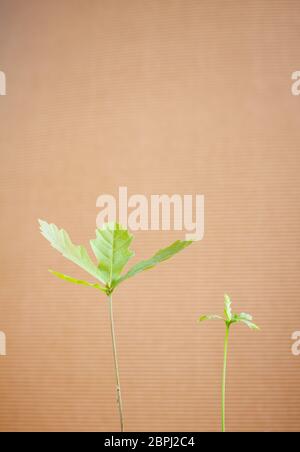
point(113, 335)
point(224, 378)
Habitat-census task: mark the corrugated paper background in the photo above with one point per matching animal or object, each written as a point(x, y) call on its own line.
point(161, 96)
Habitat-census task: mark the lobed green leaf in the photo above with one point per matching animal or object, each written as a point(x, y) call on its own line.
point(111, 248)
point(77, 254)
point(77, 281)
point(160, 256)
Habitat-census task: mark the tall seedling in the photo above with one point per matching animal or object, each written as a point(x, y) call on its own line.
point(112, 250)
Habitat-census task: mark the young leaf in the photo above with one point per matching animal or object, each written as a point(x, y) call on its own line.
point(61, 241)
point(77, 281)
point(228, 312)
point(159, 257)
point(250, 324)
point(111, 247)
point(210, 317)
point(244, 316)
point(246, 319)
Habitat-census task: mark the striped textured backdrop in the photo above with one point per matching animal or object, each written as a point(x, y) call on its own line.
point(162, 96)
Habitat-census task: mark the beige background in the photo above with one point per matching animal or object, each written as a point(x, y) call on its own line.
point(164, 96)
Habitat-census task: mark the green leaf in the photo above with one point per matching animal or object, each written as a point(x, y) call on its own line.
point(244, 316)
point(246, 319)
point(210, 317)
point(159, 257)
point(111, 247)
point(251, 325)
point(230, 318)
point(61, 241)
point(228, 312)
point(77, 281)
point(112, 250)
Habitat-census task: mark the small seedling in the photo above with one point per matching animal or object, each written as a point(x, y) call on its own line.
point(229, 319)
point(112, 250)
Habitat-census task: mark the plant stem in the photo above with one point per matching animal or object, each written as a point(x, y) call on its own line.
point(224, 378)
point(113, 335)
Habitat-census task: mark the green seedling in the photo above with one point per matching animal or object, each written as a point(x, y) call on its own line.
point(229, 319)
point(112, 250)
